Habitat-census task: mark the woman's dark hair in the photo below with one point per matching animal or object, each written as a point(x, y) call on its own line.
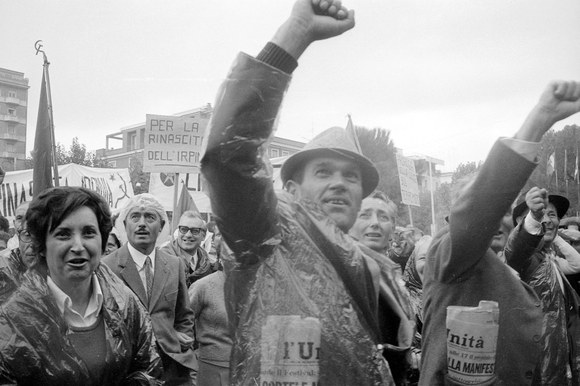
point(4, 224)
point(53, 205)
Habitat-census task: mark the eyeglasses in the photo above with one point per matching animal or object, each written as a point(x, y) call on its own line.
point(24, 236)
point(194, 231)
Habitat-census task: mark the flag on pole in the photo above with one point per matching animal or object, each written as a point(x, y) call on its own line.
point(566, 165)
point(184, 204)
point(576, 171)
point(351, 134)
point(42, 153)
point(550, 166)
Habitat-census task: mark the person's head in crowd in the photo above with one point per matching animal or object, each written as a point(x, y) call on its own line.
point(499, 240)
point(20, 213)
point(27, 253)
point(113, 243)
point(570, 231)
point(402, 243)
point(4, 237)
point(144, 218)
point(331, 172)
point(69, 228)
point(557, 208)
point(375, 221)
point(546, 208)
point(4, 224)
point(191, 231)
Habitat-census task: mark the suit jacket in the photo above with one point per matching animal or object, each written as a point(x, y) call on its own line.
point(169, 303)
point(461, 270)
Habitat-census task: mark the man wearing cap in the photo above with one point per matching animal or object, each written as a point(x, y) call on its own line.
point(191, 232)
point(462, 270)
point(544, 272)
point(300, 290)
point(158, 280)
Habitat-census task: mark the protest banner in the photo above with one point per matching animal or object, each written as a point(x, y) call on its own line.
point(408, 181)
point(173, 144)
point(113, 184)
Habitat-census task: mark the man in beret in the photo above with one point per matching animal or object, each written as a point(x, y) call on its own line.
point(299, 289)
point(158, 280)
point(545, 272)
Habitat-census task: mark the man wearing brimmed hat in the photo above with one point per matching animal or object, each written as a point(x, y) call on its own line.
point(545, 272)
point(461, 269)
point(300, 290)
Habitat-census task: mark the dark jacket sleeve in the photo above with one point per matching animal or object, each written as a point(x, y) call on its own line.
point(234, 165)
point(519, 251)
point(476, 214)
point(183, 313)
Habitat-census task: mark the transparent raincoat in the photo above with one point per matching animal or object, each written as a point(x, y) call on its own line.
point(560, 362)
point(35, 349)
point(306, 303)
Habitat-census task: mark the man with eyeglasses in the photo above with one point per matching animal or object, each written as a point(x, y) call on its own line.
point(158, 280)
point(191, 232)
point(15, 262)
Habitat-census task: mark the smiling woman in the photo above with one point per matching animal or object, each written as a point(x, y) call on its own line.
point(87, 327)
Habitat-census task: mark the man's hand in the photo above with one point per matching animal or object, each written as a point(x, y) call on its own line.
point(312, 20)
point(558, 101)
point(537, 201)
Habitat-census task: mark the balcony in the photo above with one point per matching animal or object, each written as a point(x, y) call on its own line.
point(13, 101)
point(12, 118)
point(12, 137)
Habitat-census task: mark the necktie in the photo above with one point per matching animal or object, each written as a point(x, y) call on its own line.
point(148, 276)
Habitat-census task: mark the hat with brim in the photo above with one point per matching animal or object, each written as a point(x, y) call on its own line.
point(561, 204)
point(333, 142)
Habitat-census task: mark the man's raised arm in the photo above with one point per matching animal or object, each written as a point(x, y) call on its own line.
point(235, 165)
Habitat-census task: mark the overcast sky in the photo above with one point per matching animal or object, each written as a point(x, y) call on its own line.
point(445, 77)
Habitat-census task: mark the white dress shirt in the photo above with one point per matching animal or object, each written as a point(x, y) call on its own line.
point(139, 259)
point(64, 303)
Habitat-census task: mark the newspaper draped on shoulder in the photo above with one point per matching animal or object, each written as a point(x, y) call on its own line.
point(471, 343)
point(290, 350)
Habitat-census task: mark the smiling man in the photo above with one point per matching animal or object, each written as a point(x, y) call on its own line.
point(187, 246)
point(158, 280)
point(298, 284)
point(544, 271)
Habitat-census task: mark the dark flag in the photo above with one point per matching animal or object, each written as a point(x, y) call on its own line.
point(42, 173)
point(184, 204)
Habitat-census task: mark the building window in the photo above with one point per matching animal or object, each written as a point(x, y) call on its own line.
point(142, 139)
point(274, 153)
point(285, 153)
point(132, 141)
point(12, 94)
point(10, 147)
point(11, 112)
point(112, 164)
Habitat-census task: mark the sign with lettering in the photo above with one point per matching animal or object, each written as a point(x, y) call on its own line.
point(173, 144)
point(290, 351)
point(471, 343)
point(113, 184)
point(408, 181)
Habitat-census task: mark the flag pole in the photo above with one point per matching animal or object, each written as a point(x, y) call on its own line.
point(566, 170)
point(45, 65)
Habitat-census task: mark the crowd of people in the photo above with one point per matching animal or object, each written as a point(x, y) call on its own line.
point(313, 285)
